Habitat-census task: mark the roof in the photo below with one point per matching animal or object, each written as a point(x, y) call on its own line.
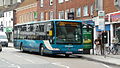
point(27, 2)
point(48, 21)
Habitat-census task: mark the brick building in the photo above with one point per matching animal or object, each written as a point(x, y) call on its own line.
point(27, 11)
point(59, 9)
point(87, 9)
point(47, 9)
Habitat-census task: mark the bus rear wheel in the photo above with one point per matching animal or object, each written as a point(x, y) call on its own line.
point(42, 51)
point(21, 49)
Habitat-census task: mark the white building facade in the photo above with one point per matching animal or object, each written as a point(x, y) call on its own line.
point(8, 24)
point(9, 2)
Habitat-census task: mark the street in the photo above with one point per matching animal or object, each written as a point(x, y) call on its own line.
point(12, 58)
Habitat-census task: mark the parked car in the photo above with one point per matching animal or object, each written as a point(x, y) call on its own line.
point(3, 39)
point(0, 48)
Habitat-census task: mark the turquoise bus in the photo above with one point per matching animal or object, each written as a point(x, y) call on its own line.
point(50, 37)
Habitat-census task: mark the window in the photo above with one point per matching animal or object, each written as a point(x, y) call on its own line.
point(116, 0)
point(66, 13)
point(51, 2)
point(91, 10)
point(66, 0)
point(41, 3)
point(98, 5)
point(117, 4)
point(72, 10)
point(42, 16)
point(60, 1)
point(6, 14)
point(61, 14)
point(85, 11)
point(11, 1)
point(9, 14)
point(51, 15)
point(78, 12)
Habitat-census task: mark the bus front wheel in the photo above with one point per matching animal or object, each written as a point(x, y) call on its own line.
point(67, 55)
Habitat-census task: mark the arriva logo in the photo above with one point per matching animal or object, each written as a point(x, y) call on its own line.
point(68, 45)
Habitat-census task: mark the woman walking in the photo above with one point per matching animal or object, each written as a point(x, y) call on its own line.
point(98, 46)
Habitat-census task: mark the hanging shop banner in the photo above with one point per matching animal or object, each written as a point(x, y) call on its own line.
point(101, 20)
point(101, 24)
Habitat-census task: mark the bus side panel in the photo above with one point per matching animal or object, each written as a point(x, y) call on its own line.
point(32, 45)
point(17, 43)
point(28, 45)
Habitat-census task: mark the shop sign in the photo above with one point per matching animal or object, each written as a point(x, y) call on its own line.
point(7, 29)
point(71, 15)
point(101, 14)
point(115, 17)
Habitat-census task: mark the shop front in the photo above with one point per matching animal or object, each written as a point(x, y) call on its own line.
point(99, 33)
point(115, 22)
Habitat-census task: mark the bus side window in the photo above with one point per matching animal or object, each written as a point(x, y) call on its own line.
point(31, 27)
point(41, 28)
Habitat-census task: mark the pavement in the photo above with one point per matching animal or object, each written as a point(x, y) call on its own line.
point(109, 59)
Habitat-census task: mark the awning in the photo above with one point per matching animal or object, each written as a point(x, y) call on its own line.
point(107, 28)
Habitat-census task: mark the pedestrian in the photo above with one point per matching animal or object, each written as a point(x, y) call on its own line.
point(98, 46)
point(104, 44)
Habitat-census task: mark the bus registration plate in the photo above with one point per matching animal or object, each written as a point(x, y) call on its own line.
point(68, 52)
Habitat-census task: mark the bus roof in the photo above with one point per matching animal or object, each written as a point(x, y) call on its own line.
point(33, 22)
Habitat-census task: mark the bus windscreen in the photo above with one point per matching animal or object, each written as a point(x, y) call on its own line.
point(68, 32)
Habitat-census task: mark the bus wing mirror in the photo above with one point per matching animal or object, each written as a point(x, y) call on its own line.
point(50, 33)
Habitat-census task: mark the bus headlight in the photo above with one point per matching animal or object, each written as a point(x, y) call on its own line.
point(80, 49)
point(56, 49)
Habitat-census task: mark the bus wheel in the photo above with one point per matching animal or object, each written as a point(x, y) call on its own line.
point(0, 50)
point(67, 55)
point(41, 50)
point(21, 49)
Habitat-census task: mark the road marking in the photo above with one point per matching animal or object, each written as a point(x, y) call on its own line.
point(17, 55)
point(25, 59)
point(61, 65)
point(106, 66)
point(12, 65)
point(29, 60)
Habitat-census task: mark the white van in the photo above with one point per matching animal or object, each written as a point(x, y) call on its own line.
point(3, 39)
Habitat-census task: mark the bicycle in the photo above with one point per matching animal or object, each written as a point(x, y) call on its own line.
point(112, 50)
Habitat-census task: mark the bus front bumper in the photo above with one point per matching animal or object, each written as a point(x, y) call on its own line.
point(63, 52)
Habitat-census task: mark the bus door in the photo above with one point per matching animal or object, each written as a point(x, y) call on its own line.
point(87, 38)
